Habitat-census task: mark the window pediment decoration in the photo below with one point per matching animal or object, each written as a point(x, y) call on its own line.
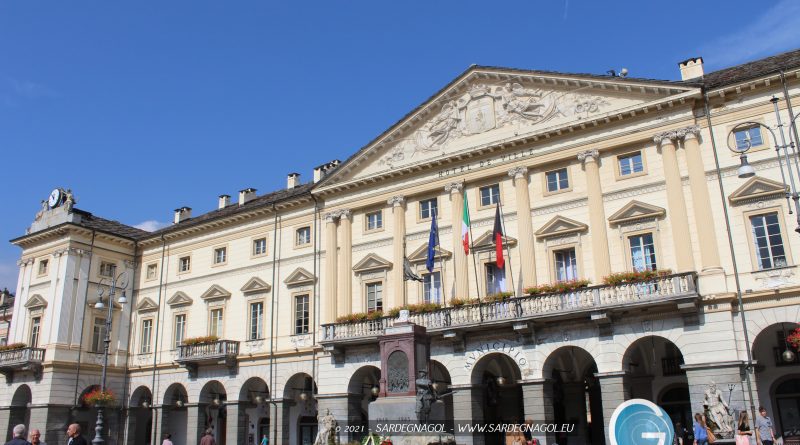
point(300, 277)
point(255, 285)
point(371, 263)
point(36, 302)
point(421, 254)
point(560, 226)
point(636, 210)
point(757, 188)
point(215, 292)
point(179, 299)
point(146, 305)
point(486, 241)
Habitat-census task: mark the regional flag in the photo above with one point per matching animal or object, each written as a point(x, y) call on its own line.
point(433, 240)
point(465, 226)
point(498, 238)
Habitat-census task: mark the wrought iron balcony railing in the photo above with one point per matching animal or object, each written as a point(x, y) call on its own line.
point(670, 288)
point(216, 352)
point(23, 359)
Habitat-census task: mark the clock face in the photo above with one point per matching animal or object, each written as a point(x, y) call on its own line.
point(55, 198)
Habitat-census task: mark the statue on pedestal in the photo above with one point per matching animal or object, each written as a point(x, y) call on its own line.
point(718, 414)
point(425, 396)
point(327, 428)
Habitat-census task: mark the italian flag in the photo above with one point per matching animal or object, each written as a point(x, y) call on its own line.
point(465, 226)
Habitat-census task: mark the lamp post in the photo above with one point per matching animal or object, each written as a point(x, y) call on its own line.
point(118, 282)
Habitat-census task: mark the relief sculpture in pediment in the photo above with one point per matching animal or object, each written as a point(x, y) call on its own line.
point(487, 107)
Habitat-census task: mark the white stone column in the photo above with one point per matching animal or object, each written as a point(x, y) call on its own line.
point(597, 215)
point(526, 241)
point(456, 190)
point(678, 219)
point(398, 295)
point(328, 302)
point(344, 300)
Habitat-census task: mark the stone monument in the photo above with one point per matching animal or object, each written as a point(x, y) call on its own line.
point(719, 417)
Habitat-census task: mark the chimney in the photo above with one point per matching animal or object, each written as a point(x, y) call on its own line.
point(322, 170)
point(293, 180)
point(182, 214)
point(246, 195)
point(691, 68)
point(224, 201)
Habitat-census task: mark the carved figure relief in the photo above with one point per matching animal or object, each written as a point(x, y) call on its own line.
point(397, 376)
point(487, 107)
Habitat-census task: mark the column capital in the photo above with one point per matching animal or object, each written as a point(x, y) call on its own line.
point(665, 136)
point(344, 214)
point(454, 187)
point(689, 132)
point(589, 155)
point(396, 201)
point(332, 217)
point(518, 172)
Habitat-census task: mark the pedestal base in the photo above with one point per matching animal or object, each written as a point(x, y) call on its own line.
point(396, 418)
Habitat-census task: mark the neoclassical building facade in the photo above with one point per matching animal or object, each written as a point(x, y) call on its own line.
point(257, 317)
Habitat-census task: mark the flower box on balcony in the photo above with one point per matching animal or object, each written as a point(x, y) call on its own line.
point(200, 340)
point(13, 347)
point(419, 308)
point(556, 288)
point(639, 276)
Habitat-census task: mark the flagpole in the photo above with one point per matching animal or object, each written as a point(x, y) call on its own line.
point(472, 247)
point(405, 287)
point(441, 260)
point(508, 251)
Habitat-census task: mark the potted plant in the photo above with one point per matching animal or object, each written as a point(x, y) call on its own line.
point(200, 340)
point(13, 347)
point(98, 397)
point(794, 339)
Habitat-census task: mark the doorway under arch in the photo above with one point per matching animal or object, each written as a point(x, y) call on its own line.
point(362, 389)
point(299, 410)
point(20, 410)
point(496, 394)
point(778, 367)
point(212, 410)
point(174, 414)
point(140, 419)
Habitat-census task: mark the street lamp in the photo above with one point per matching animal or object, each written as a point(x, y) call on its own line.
point(118, 282)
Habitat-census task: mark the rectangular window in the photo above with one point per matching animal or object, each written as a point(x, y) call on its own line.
point(748, 137)
point(768, 241)
point(301, 315)
point(303, 236)
point(98, 334)
point(566, 265)
point(215, 323)
point(107, 269)
point(43, 267)
point(256, 321)
point(374, 297)
point(185, 264)
point(643, 252)
point(147, 333)
point(36, 325)
point(630, 164)
point(259, 246)
point(152, 270)
point(179, 330)
point(495, 279)
point(374, 220)
point(490, 195)
point(557, 180)
point(432, 287)
point(428, 207)
point(220, 255)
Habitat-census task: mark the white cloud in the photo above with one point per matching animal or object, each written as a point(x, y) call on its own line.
point(9, 272)
point(151, 225)
point(772, 32)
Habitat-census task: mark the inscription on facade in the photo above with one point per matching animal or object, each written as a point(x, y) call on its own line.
point(504, 347)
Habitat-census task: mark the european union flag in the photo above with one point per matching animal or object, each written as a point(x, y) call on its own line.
point(433, 240)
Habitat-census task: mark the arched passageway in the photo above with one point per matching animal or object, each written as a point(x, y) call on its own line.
point(174, 414)
point(140, 417)
point(20, 410)
point(299, 418)
point(777, 377)
point(362, 389)
point(496, 395)
point(251, 421)
point(212, 412)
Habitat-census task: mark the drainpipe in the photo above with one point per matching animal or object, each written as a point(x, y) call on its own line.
point(121, 434)
point(156, 349)
point(749, 367)
point(83, 328)
point(271, 388)
point(316, 294)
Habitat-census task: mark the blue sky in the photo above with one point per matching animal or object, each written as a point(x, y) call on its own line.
point(142, 107)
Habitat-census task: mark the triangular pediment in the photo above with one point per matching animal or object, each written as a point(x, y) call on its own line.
point(757, 188)
point(179, 299)
point(371, 263)
point(146, 305)
point(215, 292)
point(35, 302)
point(560, 226)
point(299, 277)
point(255, 285)
point(420, 255)
point(486, 241)
point(635, 210)
point(487, 105)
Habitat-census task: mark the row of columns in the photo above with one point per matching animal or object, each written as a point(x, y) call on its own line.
point(667, 142)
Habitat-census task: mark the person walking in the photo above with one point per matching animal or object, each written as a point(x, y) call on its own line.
point(74, 435)
point(36, 437)
point(743, 432)
point(208, 438)
point(765, 435)
point(264, 440)
point(19, 436)
point(167, 439)
point(700, 432)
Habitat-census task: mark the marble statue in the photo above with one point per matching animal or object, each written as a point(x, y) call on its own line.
point(327, 428)
point(718, 411)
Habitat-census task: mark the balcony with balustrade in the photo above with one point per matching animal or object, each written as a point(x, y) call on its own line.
point(600, 304)
point(21, 359)
point(216, 352)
